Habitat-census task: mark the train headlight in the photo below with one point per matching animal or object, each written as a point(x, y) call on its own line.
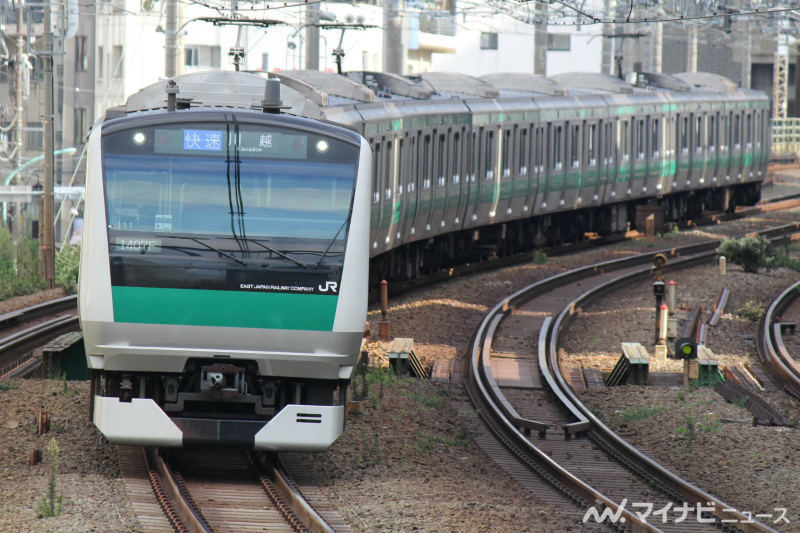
point(138, 137)
point(322, 146)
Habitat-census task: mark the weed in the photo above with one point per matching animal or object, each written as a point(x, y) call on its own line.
point(681, 396)
point(9, 385)
point(67, 264)
point(425, 399)
point(19, 266)
point(751, 311)
point(370, 450)
point(639, 413)
point(539, 258)
point(426, 443)
point(742, 402)
point(752, 253)
point(711, 425)
point(50, 505)
point(688, 430)
point(673, 228)
point(67, 390)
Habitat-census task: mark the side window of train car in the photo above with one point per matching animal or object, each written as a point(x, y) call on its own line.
point(537, 156)
point(458, 154)
point(413, 164)
point(508, 144)
point(608, 144)
point(737, 132)
point(698, 134)
point(710, 131)
point(722, 136)
point(523, 154)
point(376, 159)
point(654, 138)
point(640, 147)
point(400, 166)
point(441, 160)
point(387, 169)
point(575, 146)
point(556, 150)
point(684, 135)
point(625, 137)
point(591, 145)
point(748, 130)
point(488, 155)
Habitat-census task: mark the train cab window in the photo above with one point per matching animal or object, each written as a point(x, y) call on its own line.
point(698, 134)
point(488, 155)
point(684, 135)
point(458, 153)
point(639, 139)
point(376, 158)
point(505, 163)
point(711, 134)
point(387, 169)
point(591, 145)
point(441, 161)
point(425, 162)
point(574, 146)
point(737, 133)
point(523, 154)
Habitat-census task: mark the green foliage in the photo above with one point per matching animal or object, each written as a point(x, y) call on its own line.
point(427, 400)
point(67, 263)
point(9, 385)
point(639, 413)
point(751, 311)
point(50, 505)
point(19, 266)
point(426, 443)
point(539, 258)
point(752, 252)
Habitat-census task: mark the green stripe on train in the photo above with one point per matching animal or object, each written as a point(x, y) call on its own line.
point(192, 307)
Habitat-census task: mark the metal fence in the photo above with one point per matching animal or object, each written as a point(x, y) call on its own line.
point(785, 138)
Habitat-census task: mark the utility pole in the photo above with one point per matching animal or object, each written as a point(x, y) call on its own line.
point(19, 81)
point(47, 241)
point(780, 75)
point(171, 40)
point(691, 60)
point(392, 38)
point(540, 41)
point(312, 36)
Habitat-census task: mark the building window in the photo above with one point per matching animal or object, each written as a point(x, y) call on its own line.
point(80, 125)
point(81, 57)
point(34, 136)
point(117, 61)
point(488, 41)
point(100, 62)
point(201, 55)
point(558, 42)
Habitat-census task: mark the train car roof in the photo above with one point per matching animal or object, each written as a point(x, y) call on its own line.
point(523, 82)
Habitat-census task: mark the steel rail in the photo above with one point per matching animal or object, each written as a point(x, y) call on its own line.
point(488, 403)
point(21, 342)
point(771, 349)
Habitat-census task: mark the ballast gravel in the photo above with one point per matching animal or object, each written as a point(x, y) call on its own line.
point(408, 461)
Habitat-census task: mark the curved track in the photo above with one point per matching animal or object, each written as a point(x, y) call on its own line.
point(26, 329)
point(773, 347)
point(521, 334)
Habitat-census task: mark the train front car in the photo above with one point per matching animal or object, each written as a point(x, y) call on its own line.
point(223, 281)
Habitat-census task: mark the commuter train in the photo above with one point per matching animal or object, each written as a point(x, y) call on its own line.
point(224, 270)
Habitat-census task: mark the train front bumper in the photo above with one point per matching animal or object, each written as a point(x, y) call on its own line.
point(294, 428)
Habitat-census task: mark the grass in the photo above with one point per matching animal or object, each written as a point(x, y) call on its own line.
point(639, 413)
point(426, 443)
point(751, 311)
point(50, 505)
point(9, 385)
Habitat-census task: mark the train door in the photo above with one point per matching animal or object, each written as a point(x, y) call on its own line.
point(711, 143)
point(557, 179)
point(695, 168)
point(375, 209)
point(572, 171)
point(682, 150)
point(655, 150)
point(737, 136)
point(441, 164)
point(624, 164)
point(410, 184)
point(539, 173)
point(747, 166)
point(488, 174)
point(424, 171)
point(590, 163)
point(456, 196)
point(636, 187)
point(473, 185)
point(508, 173)
point(521, 170)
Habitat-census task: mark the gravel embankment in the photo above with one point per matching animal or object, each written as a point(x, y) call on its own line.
point(408, 462)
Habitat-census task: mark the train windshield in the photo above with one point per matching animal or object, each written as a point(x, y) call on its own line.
point(244, 193)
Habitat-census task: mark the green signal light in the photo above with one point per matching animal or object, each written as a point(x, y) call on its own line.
point(687, 349)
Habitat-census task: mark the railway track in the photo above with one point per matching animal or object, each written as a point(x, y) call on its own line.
point(538, 417)
point(771, 340)
point(217, 491)
point(24, 330)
